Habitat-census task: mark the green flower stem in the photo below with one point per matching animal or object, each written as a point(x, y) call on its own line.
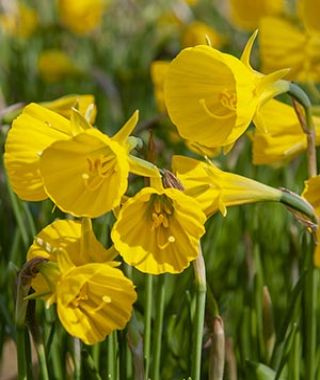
point(311, 283)
point(201, 288)
point(297, 203)
point(147, 322)
point(307, 125)
point(96, 349)
point(310, 303)
point(158, 329)
point(42, 361)
point(19, 217)
point(21, 353)
point(112, 369)
point(135, 343)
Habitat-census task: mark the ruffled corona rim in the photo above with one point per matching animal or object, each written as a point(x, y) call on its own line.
point(166, 236)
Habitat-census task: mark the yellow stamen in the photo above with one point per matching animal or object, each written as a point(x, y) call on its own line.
point(170, 240)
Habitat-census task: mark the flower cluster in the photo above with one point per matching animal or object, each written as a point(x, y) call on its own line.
point(54, 151)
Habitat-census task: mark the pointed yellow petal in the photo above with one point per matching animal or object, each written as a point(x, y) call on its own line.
point(246, 54)
point(122, 135)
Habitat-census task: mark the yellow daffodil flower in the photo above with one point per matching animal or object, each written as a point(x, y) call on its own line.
point(20, 20)
point(158, 71)
point(55, 65)
point(93, 300)
point(158, 230)
point(81, 16)
point(45, 150)
point(279, 139)
point(93, 297)
point(197, 33)
point(215, 190)
point(93, 169)
point(246, 14)
point(284, 44)
point(32, 132)
point(212, 97)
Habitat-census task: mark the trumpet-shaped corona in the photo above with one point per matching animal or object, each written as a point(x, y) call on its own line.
point(93, 297)
point(212, 97)
point(31, 133)
point(165, 237)
point(93, 168)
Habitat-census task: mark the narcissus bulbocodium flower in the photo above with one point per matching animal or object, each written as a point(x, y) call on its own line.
point(158, 72)
point(93, 297)
point(280, 137)
point(81, 16)
point(45, 150)
point(246, 14)
point(284, 44)
point(55, 65)
point(33, 131)
point(159, 230)
point(215, 190)
point(212, 97)
point(197, 33)
point(19, 20)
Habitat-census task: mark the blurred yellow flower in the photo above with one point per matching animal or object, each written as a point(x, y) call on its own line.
point(55, 65)
point(280, 137)
point(81, 16)
point(246, 14)
point(21, 21)
point(284, 44)
point(310, 15)
point(31, 133)
point(192, 2)
point(212, 97)
point(197, 33)
point(311, 193)
point(93, 297)
point(158, 73)
point(159, 231)
point(215, 190)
